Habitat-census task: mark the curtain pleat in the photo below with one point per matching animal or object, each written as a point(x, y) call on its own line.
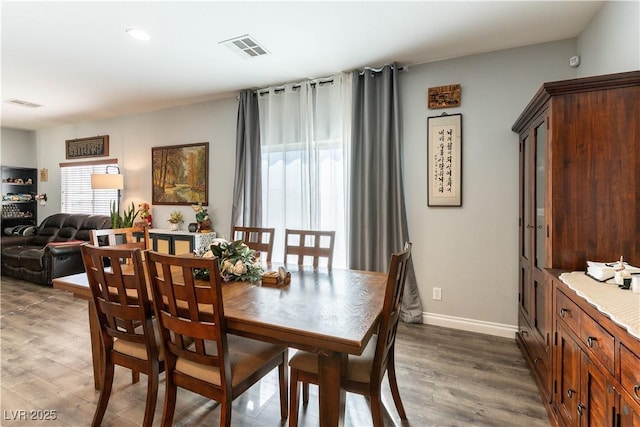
point(377, 213)
point(247, 185)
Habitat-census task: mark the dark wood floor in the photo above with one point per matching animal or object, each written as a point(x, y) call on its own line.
point(446, 377)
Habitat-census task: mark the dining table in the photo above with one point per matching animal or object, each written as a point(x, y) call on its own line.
point(330, 312)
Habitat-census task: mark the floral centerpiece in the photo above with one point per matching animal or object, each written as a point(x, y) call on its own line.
point(175, 218)
point(237, 262)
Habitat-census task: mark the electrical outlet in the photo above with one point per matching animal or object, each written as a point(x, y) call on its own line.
point(437, 294)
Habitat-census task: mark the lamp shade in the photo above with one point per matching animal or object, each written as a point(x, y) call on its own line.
point(107, 181)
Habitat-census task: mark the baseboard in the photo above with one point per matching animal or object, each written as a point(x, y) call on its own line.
point(471, 325)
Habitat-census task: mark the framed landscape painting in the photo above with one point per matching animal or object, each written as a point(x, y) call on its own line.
point(180, 174)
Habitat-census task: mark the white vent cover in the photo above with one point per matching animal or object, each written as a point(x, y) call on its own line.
point(245, 46)
point(22, 103)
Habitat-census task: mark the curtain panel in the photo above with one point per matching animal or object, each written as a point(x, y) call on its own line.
point(304, 158)
point(377, 214)
point(247, 185)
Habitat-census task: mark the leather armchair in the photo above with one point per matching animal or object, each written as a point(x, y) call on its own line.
point(53, 251)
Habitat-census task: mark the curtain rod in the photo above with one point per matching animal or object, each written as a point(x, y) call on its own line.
point(294, 87)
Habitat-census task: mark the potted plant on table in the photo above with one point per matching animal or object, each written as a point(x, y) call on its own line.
point(175, 218)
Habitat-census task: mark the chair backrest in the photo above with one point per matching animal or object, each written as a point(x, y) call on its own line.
point(190, 312)
point(120, 296)
point(128, 237)
point(311, 243)
point(390, 315)
point(257, 238)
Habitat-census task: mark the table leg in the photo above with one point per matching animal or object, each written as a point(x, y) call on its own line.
point(331, 372)
point(96, 346)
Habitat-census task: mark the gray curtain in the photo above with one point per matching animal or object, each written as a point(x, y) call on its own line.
point(247, 186)
point(377, 215)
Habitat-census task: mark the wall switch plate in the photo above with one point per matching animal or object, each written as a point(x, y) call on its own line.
point(437, 294)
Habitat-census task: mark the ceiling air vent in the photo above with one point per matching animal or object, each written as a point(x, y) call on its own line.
point(23, 103)
point(245, 46)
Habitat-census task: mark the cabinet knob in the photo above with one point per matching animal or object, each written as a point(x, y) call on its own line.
point(581, 408)
point(563, 312)
point(536, 360)
point(570, 392)
point(529, 226)
point(524, 333)
point(636, 391)
point(591, 341)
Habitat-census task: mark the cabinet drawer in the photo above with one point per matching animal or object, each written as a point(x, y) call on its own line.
point(598, 340)
point(630, 372)
point(568, 312)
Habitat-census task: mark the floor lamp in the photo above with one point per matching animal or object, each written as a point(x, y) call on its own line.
point(109, 181)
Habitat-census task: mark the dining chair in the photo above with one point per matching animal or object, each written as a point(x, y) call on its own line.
point(200, 355)
point(309, 243)
point(365, 372)
point(129, 237)
point(257, 238)
point(125, 315)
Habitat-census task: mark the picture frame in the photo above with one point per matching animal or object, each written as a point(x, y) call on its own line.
point(94, 146)
point(180, 174)
point(444, 96)
point(444, 154)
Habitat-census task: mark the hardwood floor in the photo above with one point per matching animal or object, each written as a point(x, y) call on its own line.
point(446, 377)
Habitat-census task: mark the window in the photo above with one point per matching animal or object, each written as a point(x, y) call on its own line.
point(76, 194)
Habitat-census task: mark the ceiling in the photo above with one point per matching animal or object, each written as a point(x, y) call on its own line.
point(75, 60)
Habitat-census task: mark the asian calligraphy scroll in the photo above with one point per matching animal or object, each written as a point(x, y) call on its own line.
point(445, 160)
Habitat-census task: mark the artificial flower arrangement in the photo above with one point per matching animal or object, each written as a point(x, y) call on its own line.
point(237, 262)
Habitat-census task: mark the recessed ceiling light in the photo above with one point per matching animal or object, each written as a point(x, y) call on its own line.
point(137, 33)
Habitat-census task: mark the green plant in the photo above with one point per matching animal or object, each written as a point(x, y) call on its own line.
point(116, 219)
point(130, 215)
point(175, 217)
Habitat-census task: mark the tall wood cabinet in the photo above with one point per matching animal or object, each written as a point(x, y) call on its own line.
point(579, 198)
point(19, 187)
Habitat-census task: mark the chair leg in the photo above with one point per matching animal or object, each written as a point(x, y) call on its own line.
point(105, 392)
point(135, 376)
point(395, 391)
point(169, 408)
point(294, 402)
point(376, 410)
point(152, 396)
point(225, 412)
point(305, 394)
point(283, 373)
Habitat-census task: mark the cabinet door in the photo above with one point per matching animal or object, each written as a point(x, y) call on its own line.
point(525, 258)
point(568, 361)
point(629, 415)
point(597, 397)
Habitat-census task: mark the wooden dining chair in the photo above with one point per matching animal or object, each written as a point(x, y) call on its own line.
point(125, 314)
point(200, 355)
point(129, 237)
point(257, 238)
point(365, 372)
point(309, 243)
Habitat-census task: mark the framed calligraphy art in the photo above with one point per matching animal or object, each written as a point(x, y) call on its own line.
point(180, 174)
point(444, 152)
point(95, 146)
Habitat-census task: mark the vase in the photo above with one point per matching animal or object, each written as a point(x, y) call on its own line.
point(174, 226)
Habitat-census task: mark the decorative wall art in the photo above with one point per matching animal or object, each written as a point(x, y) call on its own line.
point(95, 146)
point(444, 153)
point(180, 174)
point(444, 96)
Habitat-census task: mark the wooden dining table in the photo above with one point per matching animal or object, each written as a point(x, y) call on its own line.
point(330, 312)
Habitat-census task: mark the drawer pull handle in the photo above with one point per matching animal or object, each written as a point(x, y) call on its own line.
point(636, 391)
point(581, 408)
point(563, 312)
point(570, 393)
point(591, 341)
point(524, 333)
point(536, 360)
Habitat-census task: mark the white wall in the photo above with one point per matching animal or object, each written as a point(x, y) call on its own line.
point(18, 148)
point(130, 141)
point(471, 251)
point(611, 41)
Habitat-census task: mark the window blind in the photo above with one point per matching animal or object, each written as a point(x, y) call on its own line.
point(77, 196)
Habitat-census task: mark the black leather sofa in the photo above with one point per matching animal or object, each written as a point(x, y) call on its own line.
point(54, 249)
